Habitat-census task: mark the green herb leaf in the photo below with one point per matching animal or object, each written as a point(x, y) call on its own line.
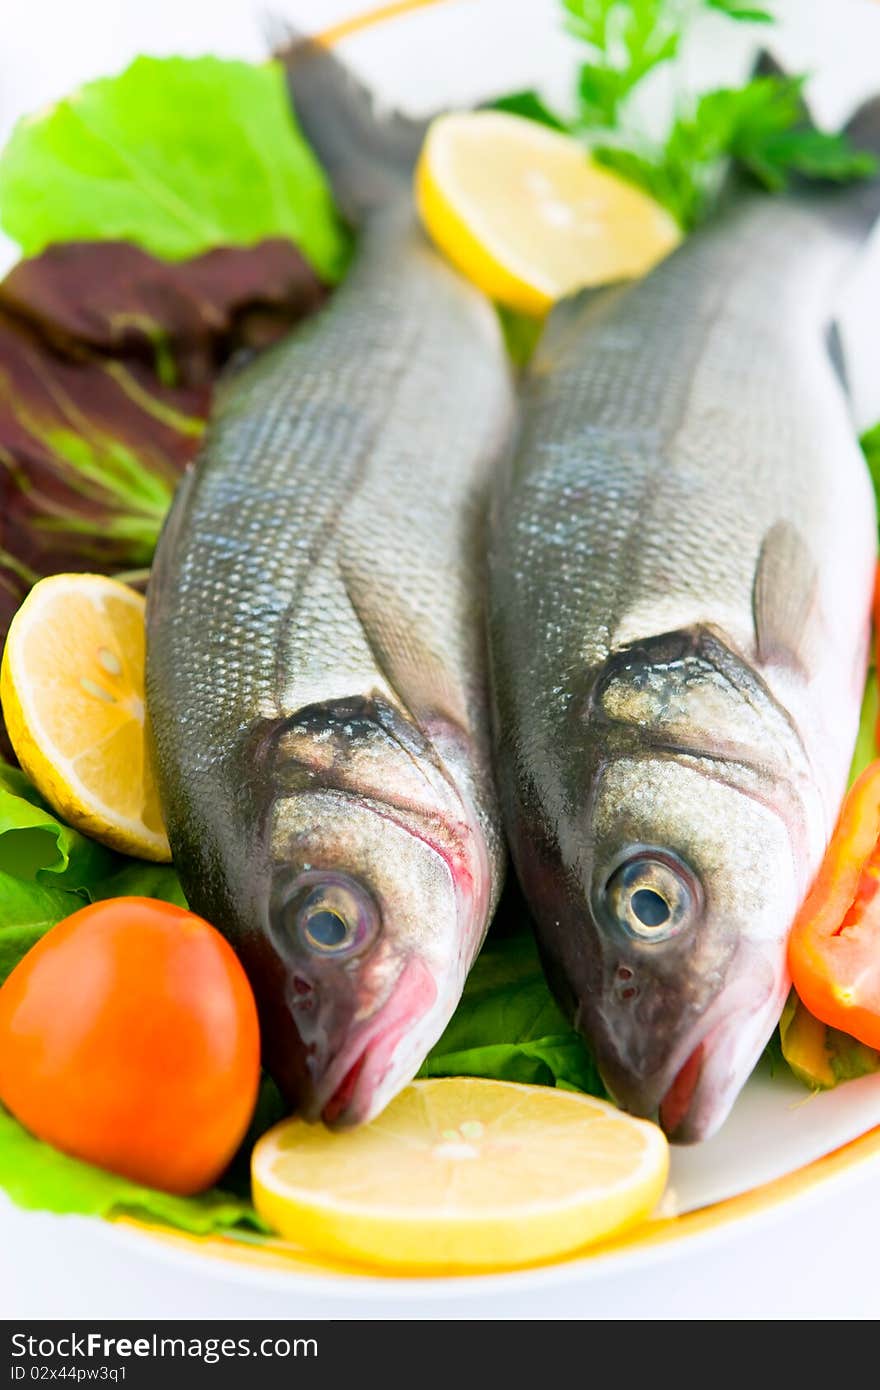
point(590, 21)
point(760, 125)
point(670, 184)
point(175, 155)
point(769, 134)
point(529, 105)
point(629, 40)
point(763, 125)
point(600, 92)
point(744, 13)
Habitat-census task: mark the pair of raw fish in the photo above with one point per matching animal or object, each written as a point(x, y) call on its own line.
point(681, 558)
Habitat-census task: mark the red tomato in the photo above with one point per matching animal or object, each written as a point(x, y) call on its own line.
point(834, 948)
point(129, 1038)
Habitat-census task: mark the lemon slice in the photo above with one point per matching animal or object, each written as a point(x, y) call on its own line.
point(72, 687)
point(523, 212)
point(462, 1173)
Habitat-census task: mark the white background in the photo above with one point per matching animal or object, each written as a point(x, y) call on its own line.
point(816, 1258)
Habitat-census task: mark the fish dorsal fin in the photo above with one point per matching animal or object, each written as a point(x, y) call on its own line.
point(783, 597)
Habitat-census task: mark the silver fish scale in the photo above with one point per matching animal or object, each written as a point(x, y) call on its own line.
point(681, 569)
point(667, 428)
point(328, 543)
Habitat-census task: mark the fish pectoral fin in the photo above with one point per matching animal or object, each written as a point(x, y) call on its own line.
point(784, 597)
point(417, 676)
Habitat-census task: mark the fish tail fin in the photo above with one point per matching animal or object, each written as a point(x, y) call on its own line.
point(368, 153)
point(856, 206)
point(863, 133)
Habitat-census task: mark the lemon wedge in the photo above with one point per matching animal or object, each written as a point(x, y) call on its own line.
point(462, 1174)
point(524, 213)
point(72, 687)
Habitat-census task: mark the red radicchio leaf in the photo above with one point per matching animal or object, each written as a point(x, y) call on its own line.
point(183, 319)
point(107, 359)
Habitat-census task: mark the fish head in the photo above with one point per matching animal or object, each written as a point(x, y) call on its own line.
point(372, 898)
point(685, 852)
point(691, 891)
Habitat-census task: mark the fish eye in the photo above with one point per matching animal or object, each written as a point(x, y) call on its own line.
point(651, 896)
point(330, 914)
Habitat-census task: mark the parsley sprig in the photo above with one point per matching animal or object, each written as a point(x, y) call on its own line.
point(762, 125)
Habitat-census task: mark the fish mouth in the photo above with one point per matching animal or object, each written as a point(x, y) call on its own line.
point(703, 1089)
point(671, 1095)
point(369, 1069)
point(693, 1093)
point(676, 1102)
point(706, 1085)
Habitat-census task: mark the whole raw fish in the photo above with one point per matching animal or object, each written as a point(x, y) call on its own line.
point(316, 676)
point(682, 564)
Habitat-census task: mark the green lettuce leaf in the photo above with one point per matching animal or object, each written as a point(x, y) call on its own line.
point(40, 1178)
point(176, 155)
point(138, 879)
point(48, 870)
point(36, 846)
point(509, 1027)
point(27, 911)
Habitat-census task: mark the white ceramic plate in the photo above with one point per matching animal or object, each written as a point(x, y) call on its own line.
point(781, 1147)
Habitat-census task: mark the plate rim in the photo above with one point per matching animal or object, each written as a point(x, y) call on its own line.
point(276, 1263)
point(648, 1240)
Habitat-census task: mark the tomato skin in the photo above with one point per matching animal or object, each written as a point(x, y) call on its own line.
point(129, 1039)
point(834, 947)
